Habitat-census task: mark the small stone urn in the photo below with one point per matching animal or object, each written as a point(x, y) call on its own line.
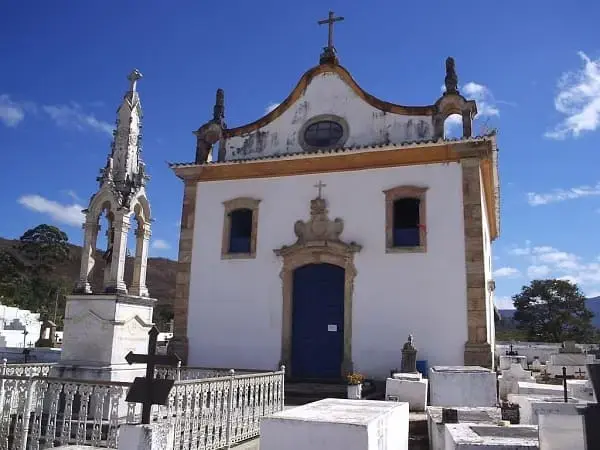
point(355, 382)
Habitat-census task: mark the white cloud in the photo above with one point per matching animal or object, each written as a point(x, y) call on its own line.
point(549, 262)
point(160, 244)
point(504, 302)
point(578, 99)
point(11, 113)
point(560, 195)
point(486, 107)
point(521, 251)
point(270, 107)
point(67, 214)
point(535, 272)
point(506, 272)
point(72, 116)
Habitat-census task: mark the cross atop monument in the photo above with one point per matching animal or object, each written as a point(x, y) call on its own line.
point(320, 185)
point(329, 51)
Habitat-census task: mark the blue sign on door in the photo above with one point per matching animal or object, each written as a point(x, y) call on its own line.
point(318, 322)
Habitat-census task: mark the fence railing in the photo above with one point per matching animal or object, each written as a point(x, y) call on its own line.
point(39, 411)
point(183, 373)
point(27, 370)
point(214, 413)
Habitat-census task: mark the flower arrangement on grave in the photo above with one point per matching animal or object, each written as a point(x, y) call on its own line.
point(354, 379)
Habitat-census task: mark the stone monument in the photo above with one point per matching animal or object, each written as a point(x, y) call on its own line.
point(409, 357)
point(104, 323)
point(408, 385)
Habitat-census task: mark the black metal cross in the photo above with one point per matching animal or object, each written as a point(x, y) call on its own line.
point(149, 390)
point(564, 381)
point(580, 373)
point(511, 352)
point(330, 21)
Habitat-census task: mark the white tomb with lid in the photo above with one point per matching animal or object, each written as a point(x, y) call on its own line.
point(337, 424)
point(462, 386)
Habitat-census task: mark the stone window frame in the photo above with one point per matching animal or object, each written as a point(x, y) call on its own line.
point(397, 193)
point(229, 207)
point(321, 118)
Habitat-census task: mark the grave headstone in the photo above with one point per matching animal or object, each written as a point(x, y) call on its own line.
point(508, 381)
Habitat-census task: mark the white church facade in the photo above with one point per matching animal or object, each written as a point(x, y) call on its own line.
point(324, 233)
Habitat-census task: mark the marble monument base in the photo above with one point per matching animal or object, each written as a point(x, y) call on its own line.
point(337, 424)
point(407, 387)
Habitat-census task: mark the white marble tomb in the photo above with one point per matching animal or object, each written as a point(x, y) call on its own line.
point(462, 386)
point(560, 432)
point(337, 424)
point(507, 360)
point(407, 387)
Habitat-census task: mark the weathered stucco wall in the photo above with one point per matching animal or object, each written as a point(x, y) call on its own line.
point(235, 306)
point(327, 93)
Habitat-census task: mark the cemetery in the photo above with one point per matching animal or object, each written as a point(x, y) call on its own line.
point(331, 370)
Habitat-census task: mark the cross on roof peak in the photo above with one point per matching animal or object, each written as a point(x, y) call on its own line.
point(329, 51)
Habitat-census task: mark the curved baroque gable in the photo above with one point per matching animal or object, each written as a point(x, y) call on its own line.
point(329, 92)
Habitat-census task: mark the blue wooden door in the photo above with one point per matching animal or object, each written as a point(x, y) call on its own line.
point(318, 322)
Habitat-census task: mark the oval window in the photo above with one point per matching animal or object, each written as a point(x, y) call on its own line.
point(323, 134)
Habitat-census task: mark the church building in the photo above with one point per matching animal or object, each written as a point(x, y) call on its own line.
point(324, 233)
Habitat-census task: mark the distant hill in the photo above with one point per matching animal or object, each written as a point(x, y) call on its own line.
point(593, 304)
point(160, 277)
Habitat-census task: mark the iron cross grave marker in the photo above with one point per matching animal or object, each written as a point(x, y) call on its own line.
point(149, 390)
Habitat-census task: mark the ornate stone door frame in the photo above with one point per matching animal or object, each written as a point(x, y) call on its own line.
point(318, 242)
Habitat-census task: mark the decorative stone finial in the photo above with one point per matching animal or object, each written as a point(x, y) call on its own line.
point(133, 77)
point(451, 80)
point(219, 109)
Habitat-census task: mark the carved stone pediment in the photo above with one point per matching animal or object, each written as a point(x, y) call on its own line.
point(319, 230)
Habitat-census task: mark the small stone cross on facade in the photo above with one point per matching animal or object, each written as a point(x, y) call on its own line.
point(149, 390)
point(320, 185)
point(331, 19)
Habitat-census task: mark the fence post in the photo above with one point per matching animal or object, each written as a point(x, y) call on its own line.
point(282, 387)
point(26, 412)
point(230, 406)
point(178, 371)
point(3, 372)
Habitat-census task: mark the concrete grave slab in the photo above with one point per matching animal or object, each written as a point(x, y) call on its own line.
point(528, 388)
point(531, 406)
point(337, 423)
point(483, 437)
point(462, 386)
point(473, 415)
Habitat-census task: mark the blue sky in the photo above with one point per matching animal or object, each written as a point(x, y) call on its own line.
point(533, 67)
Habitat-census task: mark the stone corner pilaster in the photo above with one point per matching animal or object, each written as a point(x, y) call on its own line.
point(479, 354)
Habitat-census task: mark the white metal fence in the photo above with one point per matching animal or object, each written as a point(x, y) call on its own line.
point(39, 411)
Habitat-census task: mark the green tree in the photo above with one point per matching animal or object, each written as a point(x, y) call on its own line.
point(553, 311)
point(45, 246)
